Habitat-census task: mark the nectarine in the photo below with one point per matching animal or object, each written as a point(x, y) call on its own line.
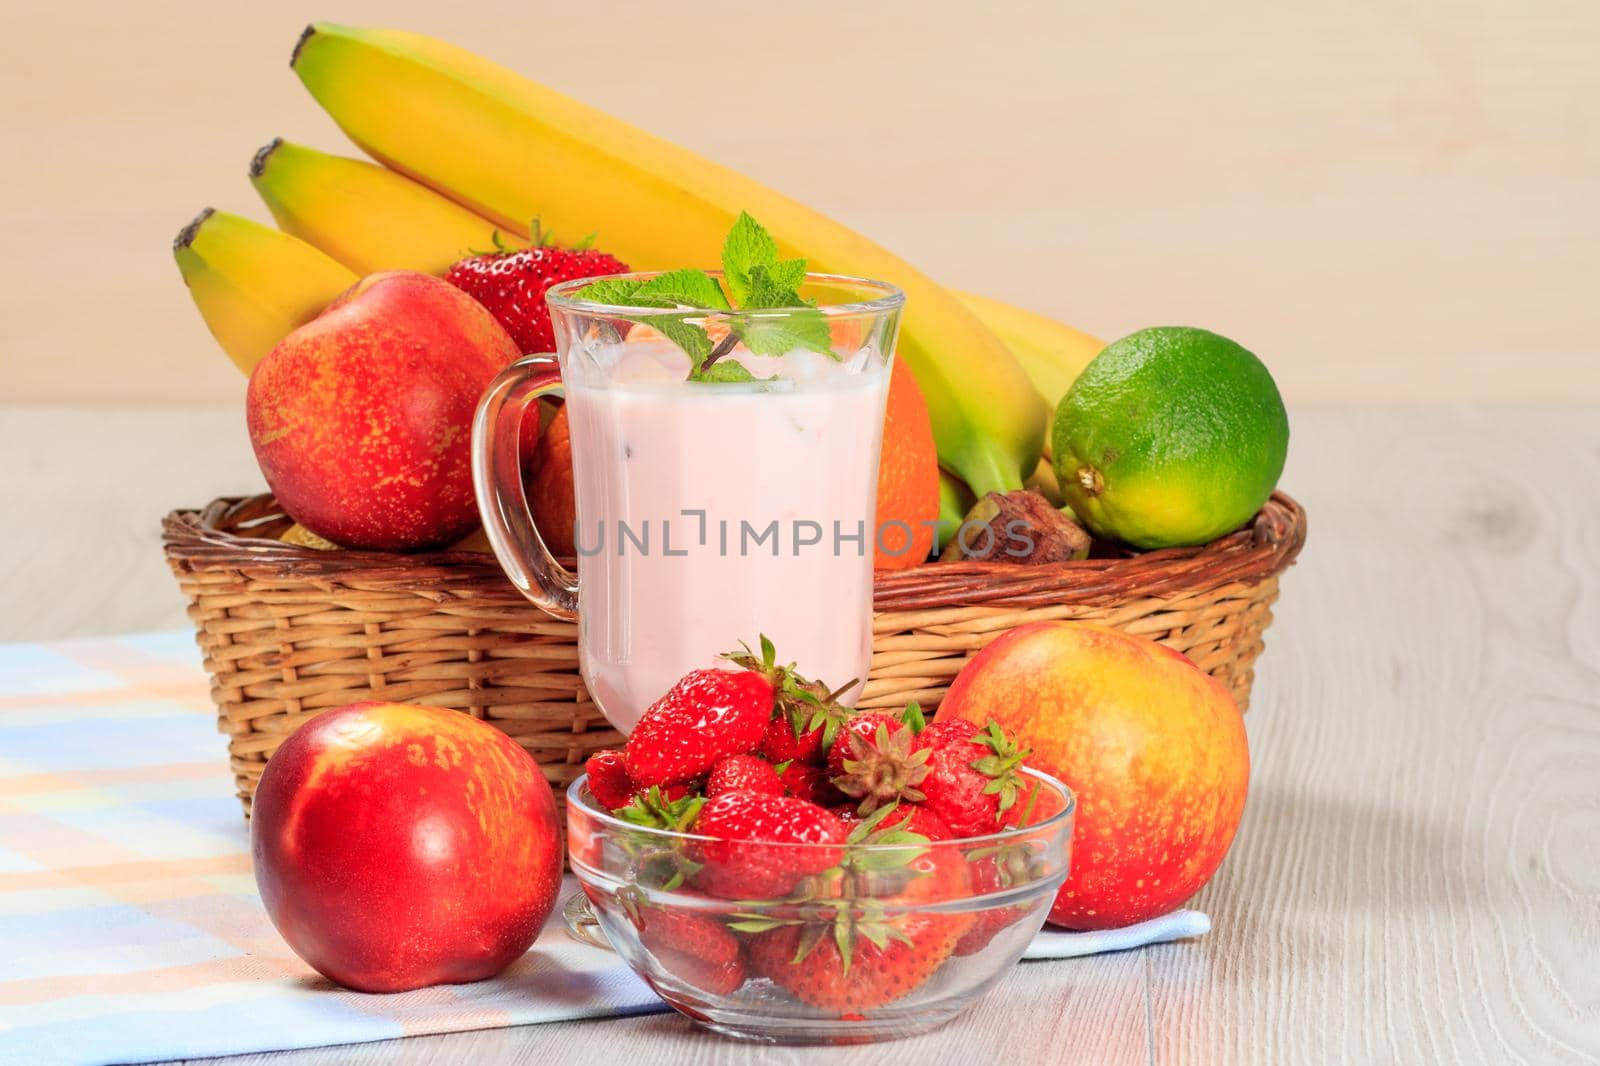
point(361, 418)
point(399, 846)
point(1153, 748)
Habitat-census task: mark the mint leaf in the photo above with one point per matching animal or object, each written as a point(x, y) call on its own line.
point(609, 291)
point(767, 291)
point(686, 335)
point(788, 273)
point(781, 334)
point(748, 245)
point(723, 370)
point(681, 288)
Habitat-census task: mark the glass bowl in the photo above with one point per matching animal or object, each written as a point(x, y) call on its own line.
point(850, 943)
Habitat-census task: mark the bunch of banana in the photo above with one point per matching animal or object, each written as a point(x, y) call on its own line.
point(254, 285)
point(471, 148)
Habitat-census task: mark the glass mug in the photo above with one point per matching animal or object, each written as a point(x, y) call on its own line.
point(708, 513)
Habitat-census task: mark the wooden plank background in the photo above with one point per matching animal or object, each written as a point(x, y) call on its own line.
point(1388, 202)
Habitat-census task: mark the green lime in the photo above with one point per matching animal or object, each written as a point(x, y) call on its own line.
point(1170, 436)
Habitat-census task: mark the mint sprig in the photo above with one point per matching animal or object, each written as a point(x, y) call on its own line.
point(757, 280)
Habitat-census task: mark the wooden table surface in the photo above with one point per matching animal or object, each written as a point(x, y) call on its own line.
point(1418, 874)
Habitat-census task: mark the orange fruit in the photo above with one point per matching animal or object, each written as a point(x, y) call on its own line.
point(550, 494)
point(908, 475)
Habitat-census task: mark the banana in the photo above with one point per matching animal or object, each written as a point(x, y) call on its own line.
point(1051, 353)
point(253, 284)
point(512, 150)
point(372, 218)
point(955, 500)
point(365, 216)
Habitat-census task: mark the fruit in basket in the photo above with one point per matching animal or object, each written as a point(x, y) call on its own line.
point(372, 218)
point(470, 129)
point(1051, 353)
point(326, 201)
point(551, 494)
point(253, 284)
point(399, 846)
point(1022, 528)
point(908, 476)
point(1153, 748)
point(1171, 436)
point(360, 418)
point(512, 284)
point(302, 537)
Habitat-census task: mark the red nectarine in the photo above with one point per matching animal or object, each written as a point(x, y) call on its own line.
point(1153, 748)
point(361, 418)
point(398, 846)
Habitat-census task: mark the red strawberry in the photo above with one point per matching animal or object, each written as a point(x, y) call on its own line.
point(782, 742)
point(811, 784)
point(1007, 865)
point(986, 923)
point(608, 779)
point(912, 817)
point(736, 866)
point(706, 716)
point(877, 759)
point(862, 952)
point(660, 860)
point(511, 285)
point(744, 773)
point(676, 791)
point(695, 949)
point(808, 718)
point(972, 775)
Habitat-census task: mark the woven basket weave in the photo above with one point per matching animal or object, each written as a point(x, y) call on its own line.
point(289, 631)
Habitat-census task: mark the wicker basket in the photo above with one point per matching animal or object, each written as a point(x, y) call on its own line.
point(289, 631)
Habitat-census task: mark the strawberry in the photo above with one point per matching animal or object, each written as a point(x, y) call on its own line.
point(707, 715)
point(695, 949)
point(676, 791)
point(660, 860)
point(736, 865)
point(986, 923)
point(877, 759)
point(863, 950)
point(808, 718)
point(972, 776)
point(1004, 866)
point(810, 783)
point(744, 773)
point(511, 284)
point(912, 817)
point(609, 782)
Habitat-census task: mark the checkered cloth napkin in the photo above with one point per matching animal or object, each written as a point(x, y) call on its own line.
point(130, 929)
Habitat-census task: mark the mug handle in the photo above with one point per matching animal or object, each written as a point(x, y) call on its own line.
point(502, 497)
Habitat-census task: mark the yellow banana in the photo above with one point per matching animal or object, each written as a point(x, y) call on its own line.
point(365, 216)
point(371, 218)
point(511, 150)
point(1052, 354)
point(253, 284)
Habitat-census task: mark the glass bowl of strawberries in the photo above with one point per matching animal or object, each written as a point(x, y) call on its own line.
point(830, 877)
